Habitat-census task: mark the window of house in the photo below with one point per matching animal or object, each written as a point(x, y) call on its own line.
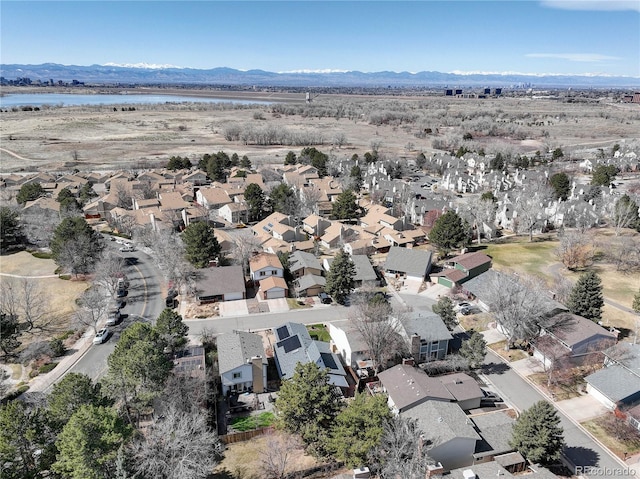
point(262, 273)
point(273, 272)
point(237, 375)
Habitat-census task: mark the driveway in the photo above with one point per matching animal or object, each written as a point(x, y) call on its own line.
point(233, 308)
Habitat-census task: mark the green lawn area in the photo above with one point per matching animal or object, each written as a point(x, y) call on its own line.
point(295, 304)
point(253, 422)
point(319, 332)
point(531, 258)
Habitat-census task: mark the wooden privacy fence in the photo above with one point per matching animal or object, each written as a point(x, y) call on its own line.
point(245, 435)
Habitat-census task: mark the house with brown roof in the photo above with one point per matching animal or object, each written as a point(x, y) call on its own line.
point(273, 287)
point(315, 225)
point(212, 198)
point(265, 265)
point(196, 178)
point(462, 268)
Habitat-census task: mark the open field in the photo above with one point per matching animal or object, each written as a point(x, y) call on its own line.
point(99, 138)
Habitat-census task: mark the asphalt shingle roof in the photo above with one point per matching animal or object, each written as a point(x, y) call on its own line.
point(413, 262)
point(615, 382)
point(442, 421)
point(237, 348)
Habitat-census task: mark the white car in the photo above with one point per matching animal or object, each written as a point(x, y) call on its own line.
point(101, 336)
point(127, 248)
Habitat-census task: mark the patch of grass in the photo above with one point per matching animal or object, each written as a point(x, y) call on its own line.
point(66, 335)
point(530, 258)
point(65, 277)
point(295, 304)
point(319, 332)
point(41, 255)
point(47, 367)
point(478, 322)
point(616, 434)
point(249, 423)
point(510, 355)
point(16, 371)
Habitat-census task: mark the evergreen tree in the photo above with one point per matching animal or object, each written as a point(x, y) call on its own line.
point(9, 333)
point(200, 244)
point(245, 162)
point(172, 329)
point(603, 175)
point(356, 178)
point(89, 443)
point(291, 158)
point(71, 392)
point(561, 185)
point(448, 232)
point(557, 154)
point(537, 434)
point(362, 422)
point(29, 192)
point(254, 197)
point(10, 230)
point(474, 348)
point(345, 206)
point(340, 277)
point(444, 309)
point(586, 298)
point(307, 405)
point(75, 245)
point(283, 199)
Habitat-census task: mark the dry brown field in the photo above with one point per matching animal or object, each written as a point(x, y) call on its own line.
point(99, 138)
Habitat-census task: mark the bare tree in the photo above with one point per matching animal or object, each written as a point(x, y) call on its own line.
point(123, 195)
point(9, 297)
point(555, 357)
point(38, 225)
point(243, 249)
point(35, 304)
point(622, 213)
point(109, 269)
point(372, 319)
point(147, 190)
point(309, 197)
point(279, 450)
point(480, 213)
point(93, 306)
point(520, 307)
point(180, 445)
point(576, 250)
point(403, 452)
point(530, 209)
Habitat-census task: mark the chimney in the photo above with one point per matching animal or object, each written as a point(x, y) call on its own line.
point(408, 361)
point(469, 474)
point(435, 469)
point(415, 347)
point(257, 371)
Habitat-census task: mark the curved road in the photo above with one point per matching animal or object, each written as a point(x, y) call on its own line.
point(144, 302)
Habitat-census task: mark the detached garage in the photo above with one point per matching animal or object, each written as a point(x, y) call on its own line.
point(273, 287)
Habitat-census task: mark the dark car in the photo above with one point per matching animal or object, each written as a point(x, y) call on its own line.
point(324, 298)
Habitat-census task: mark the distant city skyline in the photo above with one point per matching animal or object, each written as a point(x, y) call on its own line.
point(551, 37)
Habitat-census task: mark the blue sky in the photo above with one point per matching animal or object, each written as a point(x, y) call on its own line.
point(540, 37)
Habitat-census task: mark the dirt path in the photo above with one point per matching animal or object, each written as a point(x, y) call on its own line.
point(30, 277)
point(15, 155)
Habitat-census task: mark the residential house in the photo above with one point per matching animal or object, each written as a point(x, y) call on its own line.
point(266, 226)
point(349, 343)
point(617, 384)
point(309, 285)
point(462, 268)
point(464, 389)
point(314, 225)
point(579, 337)
point(452, 436)
point(273, 287)
point(265, 265)
point(190, 362)
point(223, 283)
point(302, 263)
point(294, 345)
point(335, 234)
point(212, 198)
point(410, 263)
point(365, 274)
point(407, 386)
point(196, 178)
point(426, 336)
point(234, 213)
point(495, 430)
point(242, 362)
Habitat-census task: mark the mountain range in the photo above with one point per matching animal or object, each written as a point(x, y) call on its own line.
point(114, 74)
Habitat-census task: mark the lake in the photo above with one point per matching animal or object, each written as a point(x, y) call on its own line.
point(70, 99)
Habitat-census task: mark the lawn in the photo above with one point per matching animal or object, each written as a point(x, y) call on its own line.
point(617, 435)
point(558, 391)
point(319, 332)
point(295, 304)
point(249, 423)
point(477, 322)
point(510, 355)
point(522, 256)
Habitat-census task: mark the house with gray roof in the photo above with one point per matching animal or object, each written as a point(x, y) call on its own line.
point(223, 283)
point(302, 263)
point(464, 389)
point(452, 435)
point(617, 384)
point(407, 387)
point(294, 345)
point(365, 274)
point(242, 362)
point(309, 285)
point(426, 335)
point(495, 430)
point(408, 262)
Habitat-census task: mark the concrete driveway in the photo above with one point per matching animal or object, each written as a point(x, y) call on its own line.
point(277, 305)
point(233, 308)
point(582, 408)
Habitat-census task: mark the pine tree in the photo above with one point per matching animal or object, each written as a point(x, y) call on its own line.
point(200, 243)
point(345, 206)
point(474, 348)
point(448, 232)
point(586, 298)
point(444, 309)
point(340, 277)
point(537, 434)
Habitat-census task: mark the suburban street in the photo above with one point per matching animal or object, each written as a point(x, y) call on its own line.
point(581, 450)
point(144, 302)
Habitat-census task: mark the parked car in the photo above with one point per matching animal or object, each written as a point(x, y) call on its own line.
point(462, 305)
point(127, 248)
point(113, 317)
point(101, 336)
point(121, 293)
point(490, 396)
point(324, 298)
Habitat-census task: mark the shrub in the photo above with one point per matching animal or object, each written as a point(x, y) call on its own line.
point(47, 367)
point(57, 346)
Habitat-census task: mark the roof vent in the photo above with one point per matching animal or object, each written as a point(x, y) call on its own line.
point(440, 420)
point(469, 474)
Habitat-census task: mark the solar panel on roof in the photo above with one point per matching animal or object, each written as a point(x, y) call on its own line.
point(328, 360)
point(290, 344)
point(282, 332)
